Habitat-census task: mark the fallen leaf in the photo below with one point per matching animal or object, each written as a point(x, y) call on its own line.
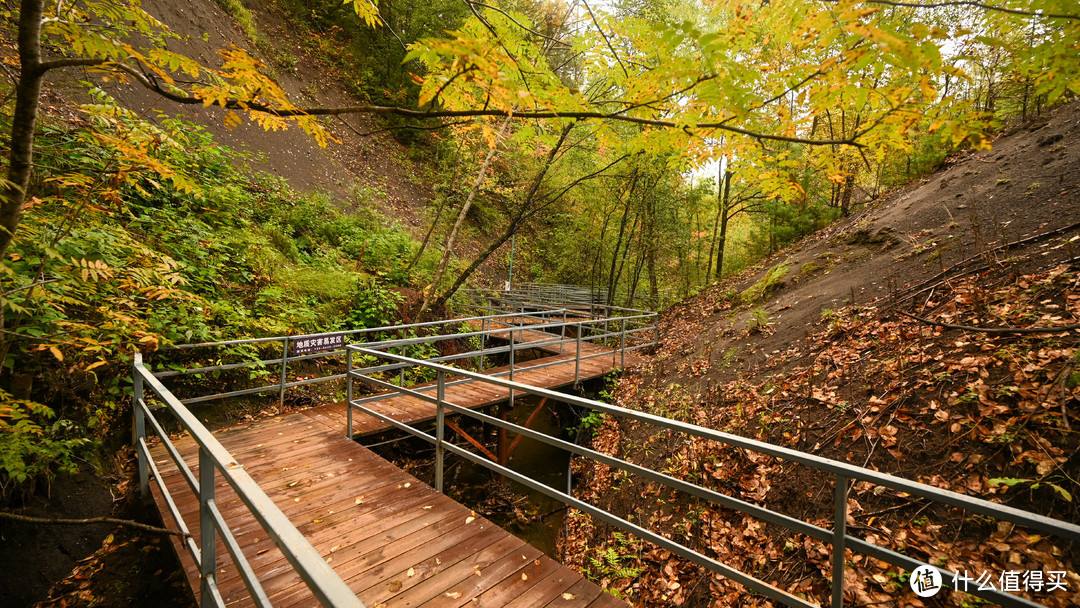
point(453, 594)
point(568, 596)
point(411, 572)
point(470, 519)
point(394, 586)
point(524, 576)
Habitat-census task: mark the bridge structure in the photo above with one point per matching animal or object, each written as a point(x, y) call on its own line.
point(291, 510)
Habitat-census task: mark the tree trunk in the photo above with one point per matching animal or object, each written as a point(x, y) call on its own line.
point(427, 236)
point(716, 222)
point(27, 94)
point(651, 250)
point(725, 215)
point(448, 249)
point(524, 213)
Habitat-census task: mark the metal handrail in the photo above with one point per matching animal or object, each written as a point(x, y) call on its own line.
point(545, 319)
point(214, 459)
point(844, 474)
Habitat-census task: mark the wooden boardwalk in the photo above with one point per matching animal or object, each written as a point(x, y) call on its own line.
point(393, 539)
point(476, 395)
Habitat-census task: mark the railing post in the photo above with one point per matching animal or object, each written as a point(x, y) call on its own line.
point(656, 330)
point(401, 351)
point(440, 416)
point(512, 365)
point(207, 535)
point(284, 370)
point(562, 332)
point(577, 357)
point(139, 430)
point(622, 346)
point(348, 394)
point(839, 533)
point(483, 341)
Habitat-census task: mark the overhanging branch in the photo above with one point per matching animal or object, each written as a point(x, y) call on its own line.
point(236, 104)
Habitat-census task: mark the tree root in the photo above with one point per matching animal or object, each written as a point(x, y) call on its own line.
point(91, 520)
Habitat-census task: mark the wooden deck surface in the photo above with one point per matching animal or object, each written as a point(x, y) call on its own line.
point(537, 372)
point(393, 539)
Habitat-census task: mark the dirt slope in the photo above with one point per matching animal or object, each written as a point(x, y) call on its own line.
point(989, 241)
point(1028, 184)
point(377, 161)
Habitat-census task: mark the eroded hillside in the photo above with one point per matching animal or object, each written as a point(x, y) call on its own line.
point(841, 346)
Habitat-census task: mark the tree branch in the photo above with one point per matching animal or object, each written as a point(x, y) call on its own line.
point(996, 330)
point(236, 104)
point(988, 7)
point(604, 36)
point(91, 520)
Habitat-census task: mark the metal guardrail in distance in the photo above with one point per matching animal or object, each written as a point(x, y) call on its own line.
point(327, 345)
point(621, 329)
point(631, 333)
point(214, 461)
point(584, 294)
point(843, 473)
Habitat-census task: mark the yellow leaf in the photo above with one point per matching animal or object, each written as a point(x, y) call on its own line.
point(56, 353)
point(524, 576)
point(95, 365)
point(453, 594)
point(568, 596)
point(470, 519)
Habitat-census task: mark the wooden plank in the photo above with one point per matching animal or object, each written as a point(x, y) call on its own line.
point(315, 475)
point(505, 568)
point(578, 595)
point(547, 590)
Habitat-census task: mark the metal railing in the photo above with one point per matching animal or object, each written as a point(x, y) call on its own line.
point(214, 460)
point(621, 329)
point(626, 337)
point(844, 474)
point(564, 294)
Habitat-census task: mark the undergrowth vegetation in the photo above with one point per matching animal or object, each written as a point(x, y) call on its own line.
point(142, 234)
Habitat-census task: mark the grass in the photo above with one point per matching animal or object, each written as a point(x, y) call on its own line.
point(769, 283)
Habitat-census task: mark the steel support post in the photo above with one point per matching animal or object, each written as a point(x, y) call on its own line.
point(139, 429)
point(622, 346)
point(512, 365)
point(839, 533)
point(577, 357)
point(440, 419)
point(483, 341)
point(284, 371)
point(562, 332)
point(348, 394)
point(207, 529)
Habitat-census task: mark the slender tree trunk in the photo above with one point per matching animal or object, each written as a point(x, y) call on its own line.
point(651, 249)
point(448, 249)
point(626, 255)
point(594, 277)
point(618, 240)
point(716, 222)
point(427, 236)
point(524, 212)
point(27, 94)
point(725, 215)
